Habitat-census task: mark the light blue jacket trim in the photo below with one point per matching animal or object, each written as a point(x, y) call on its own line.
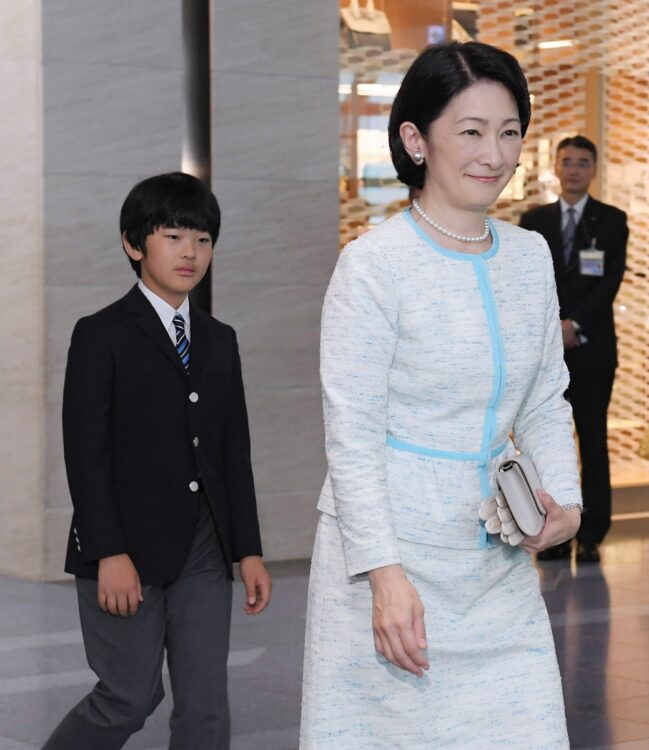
point(499, 379)
point(486, 254)
point(497, 353)
point(484, 542)
point(481, 457)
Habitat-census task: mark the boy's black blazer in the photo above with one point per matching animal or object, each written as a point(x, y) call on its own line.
point(588, 300)
point(141, 438)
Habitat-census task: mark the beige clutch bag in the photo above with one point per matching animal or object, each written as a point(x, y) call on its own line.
point(518, 482)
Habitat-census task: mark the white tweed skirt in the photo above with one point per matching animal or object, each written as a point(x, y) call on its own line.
point(493, 681)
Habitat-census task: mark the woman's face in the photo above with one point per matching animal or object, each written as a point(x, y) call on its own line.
point(473, 147)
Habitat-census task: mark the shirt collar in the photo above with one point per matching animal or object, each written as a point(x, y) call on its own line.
point(165, 311)
point(579, 207)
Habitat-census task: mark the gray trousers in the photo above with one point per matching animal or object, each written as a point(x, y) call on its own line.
point(190, 620)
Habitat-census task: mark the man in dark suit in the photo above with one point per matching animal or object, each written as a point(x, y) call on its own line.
point(588, 243)
point(157, 453)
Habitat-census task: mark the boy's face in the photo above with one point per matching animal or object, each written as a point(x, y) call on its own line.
point(176, 260)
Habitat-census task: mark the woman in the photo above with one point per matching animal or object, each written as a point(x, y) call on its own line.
point(440, 337)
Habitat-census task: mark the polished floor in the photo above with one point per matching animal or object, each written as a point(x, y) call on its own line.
point(599, 613)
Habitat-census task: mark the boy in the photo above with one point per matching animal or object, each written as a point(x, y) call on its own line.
point(157, 454)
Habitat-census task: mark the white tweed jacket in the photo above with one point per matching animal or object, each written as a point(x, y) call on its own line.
point(430, 360)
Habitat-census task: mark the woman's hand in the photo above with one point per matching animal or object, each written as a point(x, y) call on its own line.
point(398, 619)
point(560, 525)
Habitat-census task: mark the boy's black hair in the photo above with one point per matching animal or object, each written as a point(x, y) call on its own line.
point(579, 141)
point(441, 72)
point(173, 199)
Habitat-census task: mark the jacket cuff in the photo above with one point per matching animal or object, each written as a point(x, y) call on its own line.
point(363, 558)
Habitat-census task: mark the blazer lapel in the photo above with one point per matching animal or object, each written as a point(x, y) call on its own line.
point(147, 319)
point(205, 350)
point(554, 236)
point(198, 345)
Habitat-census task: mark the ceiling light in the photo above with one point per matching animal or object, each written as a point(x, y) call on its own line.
point(557, 44)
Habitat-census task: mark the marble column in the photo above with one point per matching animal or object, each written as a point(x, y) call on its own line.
point(275, 172)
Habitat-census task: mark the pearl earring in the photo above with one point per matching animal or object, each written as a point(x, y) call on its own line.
point(418, 157)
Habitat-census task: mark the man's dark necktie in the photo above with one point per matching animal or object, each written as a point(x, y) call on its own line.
point(569, 236)
point(182, 344)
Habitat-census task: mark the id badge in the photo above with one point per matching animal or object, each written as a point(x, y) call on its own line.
point(591, 262)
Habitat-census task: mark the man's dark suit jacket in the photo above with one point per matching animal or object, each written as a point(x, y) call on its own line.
point(588, 300)
point(141, 436)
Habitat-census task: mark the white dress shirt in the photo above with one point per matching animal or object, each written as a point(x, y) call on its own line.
point(579, 210)
point(166, 312)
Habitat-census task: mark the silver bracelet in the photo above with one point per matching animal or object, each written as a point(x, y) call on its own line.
point(572, 506)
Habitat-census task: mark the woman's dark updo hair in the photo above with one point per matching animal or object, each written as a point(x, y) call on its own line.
point(441, 72)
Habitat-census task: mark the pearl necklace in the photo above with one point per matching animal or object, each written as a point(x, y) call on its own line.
point(460, 237)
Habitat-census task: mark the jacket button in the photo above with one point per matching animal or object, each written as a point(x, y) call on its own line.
point(193, 486)
point(79, 547)
point(195, 442)
point(193, 397)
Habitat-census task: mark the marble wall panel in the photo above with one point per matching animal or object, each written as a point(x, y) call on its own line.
point(276, 231)
point(278, 330)
point(292, 539)
point(56, 529)
point(275, 168)
point(287, 440)
point(118, 33)
point(111, 120)
point(21, 445)
point(21, 329)
point(82, 237)
point(21, 31)
point(284, 37)
point(21, 219)
point(274, 127)
point(21, 325)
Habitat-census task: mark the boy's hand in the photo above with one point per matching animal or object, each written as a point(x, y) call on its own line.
point(257, 582)
point(119, 590)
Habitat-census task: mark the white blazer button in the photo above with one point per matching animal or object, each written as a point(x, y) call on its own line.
point(193, 486)
point(79, 547)
point(195, 442)
point(193, 397)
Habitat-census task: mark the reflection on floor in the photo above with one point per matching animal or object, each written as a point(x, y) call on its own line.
point(600, 620)
point(600, 617)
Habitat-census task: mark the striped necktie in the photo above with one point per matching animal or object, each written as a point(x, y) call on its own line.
point(569, 236)
point(182, 344)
